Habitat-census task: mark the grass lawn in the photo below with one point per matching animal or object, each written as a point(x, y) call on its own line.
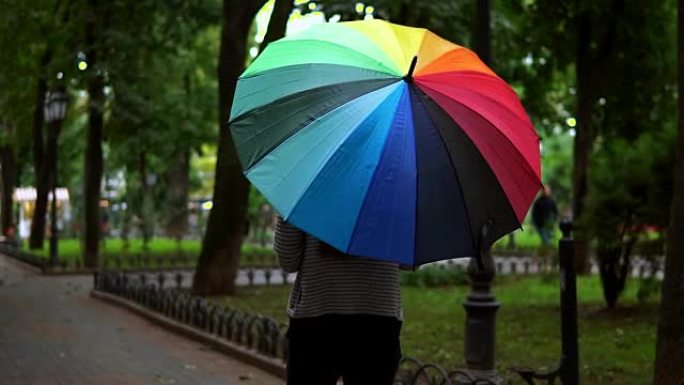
point(616, 347)
point(527, 239)
point(70, 251)
point(72, 248)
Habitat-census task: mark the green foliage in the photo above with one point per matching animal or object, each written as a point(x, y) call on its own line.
point(557, 165)
point(536, 57)
point(649, 288)
point(632, 179)
point(256, 203)
point(450, 19)
point(72, 248)
point(434, 276)
point(32, 42)
point(258, 256)
point(630, 111)
point(527, 240)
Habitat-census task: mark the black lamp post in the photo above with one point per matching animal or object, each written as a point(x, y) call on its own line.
point(481, 307)
point(54, 109)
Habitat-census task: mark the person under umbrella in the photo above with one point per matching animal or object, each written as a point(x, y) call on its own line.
point(380, 146)
point(345, 313)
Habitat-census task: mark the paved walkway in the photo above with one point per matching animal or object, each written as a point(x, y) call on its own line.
point(53, 332)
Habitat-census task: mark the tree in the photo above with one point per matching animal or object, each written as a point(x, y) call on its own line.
point(278, 22)
point(670, 344)
point(631, 124)
point(626, 201)
point(42, 170)
point(606, 41)
point(97, 16)
point(140, 53)
point(25, 32)
point(220, 256)
point(595, 34)
point(42, 173)
point(8, 175)
point(450, 19)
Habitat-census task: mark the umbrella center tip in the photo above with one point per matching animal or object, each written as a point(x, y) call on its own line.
point(409, 75)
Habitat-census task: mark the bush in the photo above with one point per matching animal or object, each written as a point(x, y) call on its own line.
point(434, 276)
point(631, 186)
point(257, 256)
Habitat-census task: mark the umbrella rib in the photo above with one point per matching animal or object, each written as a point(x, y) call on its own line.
point(382, 76)
point(384, 83)
point(490, 73)
point(370, 184)
point(331, 153)
point(395, 40)
point(434, 104)
point(495, 153)
point(469, 73)
point(390, 71)
point(446, 150)
point(314, 175)
point(528, 167)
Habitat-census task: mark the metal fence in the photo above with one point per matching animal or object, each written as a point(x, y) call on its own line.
point(263, 334)
point(164, 294)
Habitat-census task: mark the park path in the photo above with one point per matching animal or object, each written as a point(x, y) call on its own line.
point(53, 332)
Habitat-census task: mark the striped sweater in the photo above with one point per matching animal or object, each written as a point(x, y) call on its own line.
point(329, 282)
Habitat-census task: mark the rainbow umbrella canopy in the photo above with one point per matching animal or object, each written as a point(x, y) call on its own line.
point(386, 141)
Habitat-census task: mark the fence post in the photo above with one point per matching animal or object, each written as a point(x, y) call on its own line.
point(569, 368)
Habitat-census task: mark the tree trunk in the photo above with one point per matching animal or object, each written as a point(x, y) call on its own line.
point(583, 140)
point(220, 257)
point(39, 219)
point(42, 176)
point(8, 166)
point(93, 158)
point(670, 345)
point(482, 43)
point(179, 186)
point(40, 209)
point(145, 213)
point(613, 264)
point(179, 179)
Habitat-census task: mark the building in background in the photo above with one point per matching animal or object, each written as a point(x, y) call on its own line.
point(25, 199)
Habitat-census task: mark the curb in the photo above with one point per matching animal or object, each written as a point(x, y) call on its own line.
point(88, 271)
point(22, 264)
point(251, 357)
point(49, 271)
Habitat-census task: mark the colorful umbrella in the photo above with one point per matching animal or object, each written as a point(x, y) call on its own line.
point(386, 141)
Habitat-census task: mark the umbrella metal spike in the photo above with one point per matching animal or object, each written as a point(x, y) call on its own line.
point(409, 75)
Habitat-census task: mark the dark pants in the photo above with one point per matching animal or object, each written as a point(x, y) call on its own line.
point(362, 349)
point(546, 234)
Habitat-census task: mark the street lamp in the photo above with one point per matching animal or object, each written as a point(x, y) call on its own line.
point(54, 109)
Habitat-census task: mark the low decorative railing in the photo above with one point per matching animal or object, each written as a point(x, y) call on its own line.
point(414, 372)
point(164, 294)
point(15, 252)
point(263, 334)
